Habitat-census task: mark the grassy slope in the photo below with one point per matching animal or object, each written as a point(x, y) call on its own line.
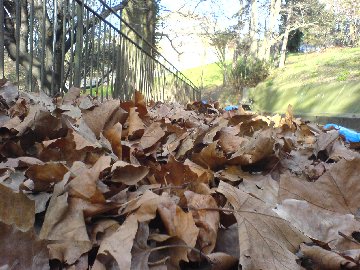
point(205, 76)
point(318, 83)
point(209, 79)
point(327, 82)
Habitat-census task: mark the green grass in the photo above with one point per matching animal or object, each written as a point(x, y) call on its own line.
point(327, 82)
point(205, 76)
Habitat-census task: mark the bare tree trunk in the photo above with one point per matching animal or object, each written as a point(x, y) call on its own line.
point(253, 28)
point(285, 39)
point(275, 7)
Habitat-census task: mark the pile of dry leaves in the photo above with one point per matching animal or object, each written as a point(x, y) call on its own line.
point(129, 185)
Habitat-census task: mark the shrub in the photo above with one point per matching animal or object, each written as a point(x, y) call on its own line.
point(248, 72)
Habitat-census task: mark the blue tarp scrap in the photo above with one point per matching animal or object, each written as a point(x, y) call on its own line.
point(349, 134)
point(231, 108)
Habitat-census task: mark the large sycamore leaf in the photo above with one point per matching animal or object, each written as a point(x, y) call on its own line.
point(22, 250)
point(337, 190)
point(16, 209)
point(320, 224)
point(266, 240)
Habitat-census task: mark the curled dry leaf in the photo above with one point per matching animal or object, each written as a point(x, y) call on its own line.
point(125, 235)
point(262, 233)
point(127, 173)
point(222, 261)
point(108, 113)
point(178, 223)
point(206, 220)
point(136, 125)
point(71, 96)
point(49, 172)
point(210, 157)
point(260, 146)
point(203, 175)
point(152, 135)
point(323, 259)
point(85, 185)
point(113, 135)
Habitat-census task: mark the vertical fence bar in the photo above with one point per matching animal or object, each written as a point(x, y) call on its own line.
point(86, 61)
point(53, 71)
point(62, 69)
point(78, 45)
point(98, 61)
point(115, 62)
point(31, 49)
point(72, 37)
point(104, 87)
point(43, 45)
point(2, 33)
point(17, 39)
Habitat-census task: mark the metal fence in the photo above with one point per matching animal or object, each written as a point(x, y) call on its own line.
point(53, 45)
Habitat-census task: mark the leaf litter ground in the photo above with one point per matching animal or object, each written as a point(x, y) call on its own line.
point(136, 185)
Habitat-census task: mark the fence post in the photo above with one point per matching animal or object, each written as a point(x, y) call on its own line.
point(2, 52)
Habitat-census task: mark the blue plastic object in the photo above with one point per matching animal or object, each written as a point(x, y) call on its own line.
point(231, 108)
point(349, 134)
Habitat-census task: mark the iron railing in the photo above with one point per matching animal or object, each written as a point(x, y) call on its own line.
point(53, 45)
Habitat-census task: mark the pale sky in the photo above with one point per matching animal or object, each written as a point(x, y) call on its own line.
point(195, 50)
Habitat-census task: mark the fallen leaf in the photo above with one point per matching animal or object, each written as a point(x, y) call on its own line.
point(127, 173)
point(222, 261)
point(113, 135)
point(260, 146)
point(152, 135)
point(210, 157)
point(319, 224)
point(125, 235)
point(22, 250)
point(16, 209)
point(337, 190)
point(136, 125)
point(49, 172)
point(323, 259)
point(259, 226)
point(85, 185)
point(178, 223)
point(206, 220)
point(71, 96)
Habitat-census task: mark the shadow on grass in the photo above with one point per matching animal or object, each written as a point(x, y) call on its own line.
point(332, 98)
